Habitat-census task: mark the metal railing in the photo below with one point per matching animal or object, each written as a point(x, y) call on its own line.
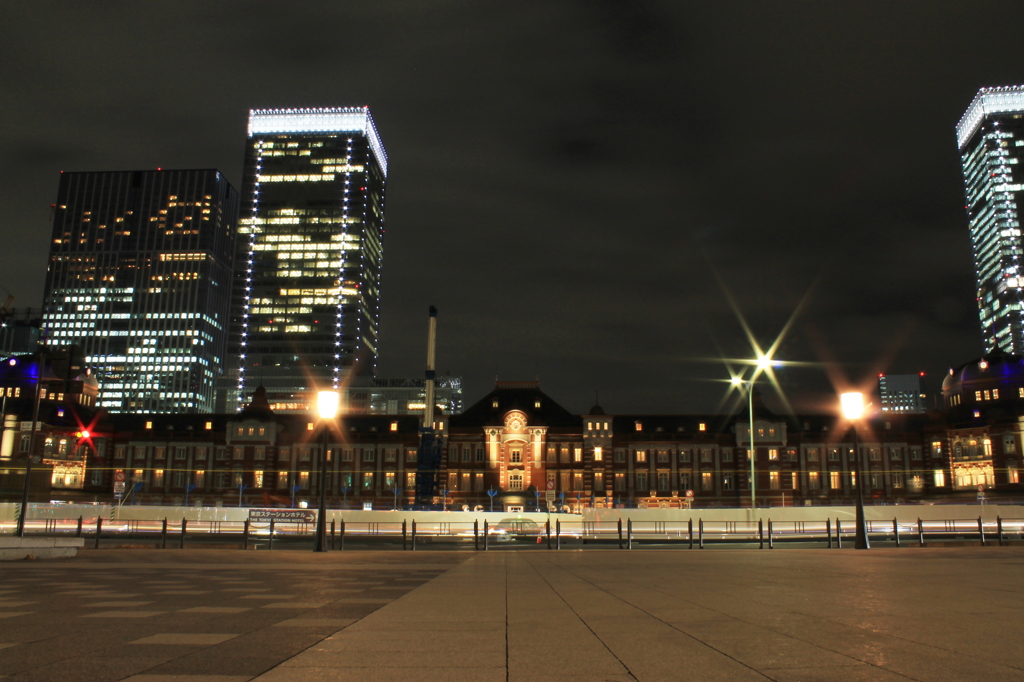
point(623, 533)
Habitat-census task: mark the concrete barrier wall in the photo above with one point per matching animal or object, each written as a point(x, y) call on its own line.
point(904, 513)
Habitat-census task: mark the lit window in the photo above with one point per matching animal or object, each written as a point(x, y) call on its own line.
point(149, 425)
point(394, 426)
point(702, 427)
point(209, 426)
point(598, 454)
point(639, 426)
point(309, 426)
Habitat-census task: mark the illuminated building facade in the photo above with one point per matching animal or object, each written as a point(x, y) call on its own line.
point(901, 392)
point(991, 140)
point(310, 250)
point(140, 278)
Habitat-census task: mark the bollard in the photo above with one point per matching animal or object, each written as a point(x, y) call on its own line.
point(896, 532)
point(629, 533)
point(760, 534)
point(620, 532)
point(184, 523)
point(689, 531)
point(99, 525)
point(163, 535)
point(920, 532)
point(700, 531)
point(405, 531)
point(771, 543)
point(828, 529)
point(332, 535)
point(558, 533)
point(981, 531)
point(485, 535)
point(341, 534)
point(414, 535)
point(999, 529)
point(78, 533)
point(839, 534)
point(270, 538)
point(245, 534)
point(547, 528)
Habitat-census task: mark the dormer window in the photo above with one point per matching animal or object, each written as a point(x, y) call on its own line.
point(536, 404)
point(639, 426)
point(494, 403)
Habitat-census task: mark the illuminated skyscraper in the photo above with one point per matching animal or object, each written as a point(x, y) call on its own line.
point(310, 248)
point(991, 140)
point(140, 278)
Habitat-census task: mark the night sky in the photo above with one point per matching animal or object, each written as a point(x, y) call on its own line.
point(574, 185)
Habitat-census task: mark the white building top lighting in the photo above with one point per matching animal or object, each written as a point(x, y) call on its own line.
point(333, 120)
point(987, 101)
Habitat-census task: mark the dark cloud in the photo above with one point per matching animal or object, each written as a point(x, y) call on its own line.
point(571, 181)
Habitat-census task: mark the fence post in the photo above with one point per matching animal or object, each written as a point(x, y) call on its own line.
point(896, 532)
point(163, 535)
point(99, 525)
point(999, 529)
point(405, 537)
point(245, 534)
point(341, 534)
point(700, 531)
point(485, 535)
point(270, 538)
point(920, 532)
point(558, 533)
point(629, 533)
point(333, 537)
point(689, 530)
point(760, 534)
point(78, 533)
point(839, 534)
point(981, 531)
point(184, 524)
point(414, 535)
point(547, 528)
point(828, 529)
point(620, 532)
point(771, 542)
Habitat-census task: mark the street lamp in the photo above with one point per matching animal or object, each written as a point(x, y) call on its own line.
point(764, 362)
point(853, 409)
point(327, 405)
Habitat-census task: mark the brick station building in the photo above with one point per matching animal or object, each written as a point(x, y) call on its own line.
point(520, 445)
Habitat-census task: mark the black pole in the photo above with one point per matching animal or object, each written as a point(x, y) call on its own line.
point(700, 532)
point(405, 530)
point(920, 532)
point(245, 534)
point(547, 528)
point(78, 533)
point(332, 533)
point(184, 524)
point(861, 539)
point(31, 450)
point(689, 530)
point(771, 543)
point(558, 533)
point(620, 532)
point(828, 529)
point(981, 531)
point(839, 534)
point(163, 535)
point(99, 526)
point(629, 533)
point(485, 533)
point(321, 518)
point(999, 528)
point(270, 538)
point(341, 533)
point(896, 532)
point(414, 535)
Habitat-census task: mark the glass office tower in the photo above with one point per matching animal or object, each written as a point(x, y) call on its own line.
point(991, 140)
point(310, 249)
point(140, 278)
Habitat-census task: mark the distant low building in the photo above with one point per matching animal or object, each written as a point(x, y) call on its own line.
point(901, 393)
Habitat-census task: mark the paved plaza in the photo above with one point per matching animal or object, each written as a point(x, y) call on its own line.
point(234, 615)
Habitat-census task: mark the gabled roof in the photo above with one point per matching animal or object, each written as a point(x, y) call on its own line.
point(516, 395)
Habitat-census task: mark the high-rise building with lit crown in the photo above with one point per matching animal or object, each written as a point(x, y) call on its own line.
point(139, 277)
point(991, 140)
point(308, 270)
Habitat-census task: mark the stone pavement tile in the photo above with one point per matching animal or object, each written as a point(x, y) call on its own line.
point(5, 645)
point(398, 659)
point(185, 638)
point(109, 604)
point(363, 600)
point(268, 596)
point(850, 673)
point(351, 640)
point(390, 625)
point(244, 589)
point(188, 678)
point(384, 674)
point(14, 614)
point(183, 592)
point(296, 605)
point(92, 668)
point(124, 614)
point(15, 604)
point(768, 651)
point(215, 609)
point(316, 622)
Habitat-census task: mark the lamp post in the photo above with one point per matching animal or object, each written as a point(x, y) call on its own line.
point(327, 405)
point(762, 364)
point(853, 409)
